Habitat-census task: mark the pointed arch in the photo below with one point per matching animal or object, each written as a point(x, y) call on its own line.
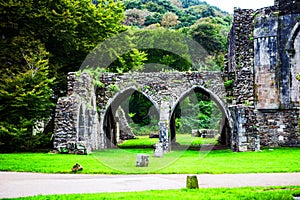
point(226, 122)
point(293, 52)
point(81, 125)
point(109, 122)
point(207, 92)
point(290, 46)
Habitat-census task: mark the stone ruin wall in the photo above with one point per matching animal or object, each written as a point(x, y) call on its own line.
point(80, 116)
point(163, 89)
point(264, 106)
point(263, 58)
point(159, 85)
point(76, 117)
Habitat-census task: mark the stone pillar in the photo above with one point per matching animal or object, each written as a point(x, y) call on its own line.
point(117, 128)
point(241, 133)
point(164, 125)
point(244, 134)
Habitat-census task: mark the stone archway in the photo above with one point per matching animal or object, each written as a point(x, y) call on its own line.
point(225, 128)
point(109, 123)
point(163, 89)
point(293, 50)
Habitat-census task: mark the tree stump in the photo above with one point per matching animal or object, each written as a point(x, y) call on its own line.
point(192, 182)
point(142, 160)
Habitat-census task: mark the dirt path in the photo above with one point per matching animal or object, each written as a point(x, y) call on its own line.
point(14, 184)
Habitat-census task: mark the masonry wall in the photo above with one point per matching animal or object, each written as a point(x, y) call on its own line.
point(264, 75)
point(266, 64)
point(76, 116)
point(87, 118)
point(239, 66)
point(278, 128)
point(245, 135)
point(158, 86)
point(163, 89)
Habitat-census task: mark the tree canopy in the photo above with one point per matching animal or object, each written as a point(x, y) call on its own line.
point(41, 41)
point(152, 12)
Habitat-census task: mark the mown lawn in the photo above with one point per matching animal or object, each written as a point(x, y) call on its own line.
point(261, 193)
point(182, 139)
point(122, 161)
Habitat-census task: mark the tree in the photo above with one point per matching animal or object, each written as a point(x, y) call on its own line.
point(188, 12)
point(189, 3)
point(155, 19)
point(169, 20)
point(208, 32)
point(179, 59)
point(136, 17)
point(68, 30)
point(130, 61)
point(211, 33)
point(197, 111)
point(40, 41)
point(25, 96)
point(177, 3)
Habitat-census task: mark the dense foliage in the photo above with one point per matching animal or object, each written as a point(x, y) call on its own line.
point(25, 94)
point(182, 13)
point(206, 24)
point(211, 34)
point(197, 111)
point(40, 41)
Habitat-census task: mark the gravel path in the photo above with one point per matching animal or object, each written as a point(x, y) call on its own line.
point(13, 184)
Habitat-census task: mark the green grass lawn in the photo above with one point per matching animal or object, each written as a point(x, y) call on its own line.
point(182, 139)
point(122, 161)
point(280, 193)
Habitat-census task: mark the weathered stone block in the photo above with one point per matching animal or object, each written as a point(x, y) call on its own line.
point(158, 150)
point(195, 133)
point(142, 160)
point(153, 135)
point(243, 148)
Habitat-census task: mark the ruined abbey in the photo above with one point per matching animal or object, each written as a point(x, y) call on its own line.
point(260, 103)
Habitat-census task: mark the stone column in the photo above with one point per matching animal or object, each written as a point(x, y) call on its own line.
point(164, 125)
point(244, 133)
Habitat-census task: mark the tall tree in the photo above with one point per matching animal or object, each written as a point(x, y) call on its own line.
point(211, 34)
point(40, 41)
point(25, 95)
point(68, 29)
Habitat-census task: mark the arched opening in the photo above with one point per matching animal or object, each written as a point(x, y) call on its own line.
point(293, 50)
point(81, 126)
point(199, 113)
point(130, 114)
point(91, 118)
point(109, 128)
